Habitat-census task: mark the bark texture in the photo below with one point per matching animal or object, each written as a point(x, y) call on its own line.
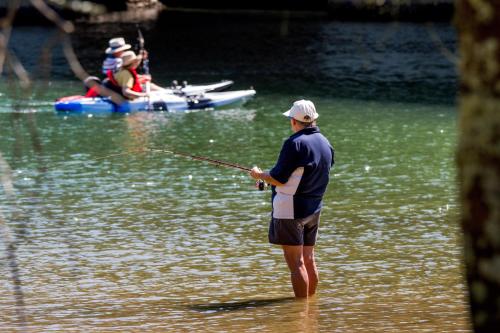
point(478, 156)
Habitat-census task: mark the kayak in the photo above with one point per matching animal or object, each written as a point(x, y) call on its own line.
point(163, 100)
point(191, 89)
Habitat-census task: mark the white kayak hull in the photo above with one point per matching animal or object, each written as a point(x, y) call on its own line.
point(157, 101)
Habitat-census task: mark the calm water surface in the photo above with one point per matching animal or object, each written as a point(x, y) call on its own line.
point(111, 239)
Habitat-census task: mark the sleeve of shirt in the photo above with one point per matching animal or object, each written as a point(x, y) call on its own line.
point(107, 65)
point(333, 156)
point(287, 162)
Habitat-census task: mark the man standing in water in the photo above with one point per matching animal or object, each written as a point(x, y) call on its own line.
point(299, 180)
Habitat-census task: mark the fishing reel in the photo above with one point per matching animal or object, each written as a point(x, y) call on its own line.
point(261, 185)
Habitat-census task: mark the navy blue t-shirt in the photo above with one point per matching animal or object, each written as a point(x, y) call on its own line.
point(303, 167)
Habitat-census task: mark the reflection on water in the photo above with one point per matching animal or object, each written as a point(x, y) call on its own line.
point(110, 238)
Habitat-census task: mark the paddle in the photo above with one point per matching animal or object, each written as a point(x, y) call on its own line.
point(145, 62)
point(145, 65)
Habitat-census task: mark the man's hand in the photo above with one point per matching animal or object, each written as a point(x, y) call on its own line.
point(256, 173)
point(144, 54)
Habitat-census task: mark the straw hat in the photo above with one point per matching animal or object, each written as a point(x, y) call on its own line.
point(117, 45)
point(128, 57)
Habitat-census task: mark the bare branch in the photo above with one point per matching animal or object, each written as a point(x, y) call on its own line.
point(6, 176)
point(6, 24)
point(85, 7)
point(10, 247)
point(6, 235)
point(452, 57)
point(19, 70)
point(50, 14)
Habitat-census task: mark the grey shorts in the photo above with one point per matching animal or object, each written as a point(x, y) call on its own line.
point(294, 231)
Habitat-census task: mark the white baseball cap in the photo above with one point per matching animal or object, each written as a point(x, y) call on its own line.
point(303, 111)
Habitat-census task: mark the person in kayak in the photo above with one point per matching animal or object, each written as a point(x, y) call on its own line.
point(299, 180)
point(126, 80)
point(112, 62)
point(113, 59)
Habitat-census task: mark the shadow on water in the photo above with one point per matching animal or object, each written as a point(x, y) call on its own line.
point(237, 306)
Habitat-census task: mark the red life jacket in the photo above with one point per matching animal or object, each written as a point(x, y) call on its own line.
point(92, 92)
point(137, 85)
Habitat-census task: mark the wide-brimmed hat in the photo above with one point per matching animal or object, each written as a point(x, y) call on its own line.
point(128, 57)
point(303, 111)
point(117, 45)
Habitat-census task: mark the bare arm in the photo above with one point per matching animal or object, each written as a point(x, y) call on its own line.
point(129, 93)
point(155, 87)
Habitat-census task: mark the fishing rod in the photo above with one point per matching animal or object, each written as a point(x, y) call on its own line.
point(260, 183)
point(202, 158)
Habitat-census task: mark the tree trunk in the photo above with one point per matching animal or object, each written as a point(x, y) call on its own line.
point(478, 157)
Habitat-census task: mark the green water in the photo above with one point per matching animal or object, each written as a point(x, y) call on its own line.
point(98, 236)
point(150, 242)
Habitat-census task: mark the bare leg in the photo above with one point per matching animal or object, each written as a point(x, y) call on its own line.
point(312, 270)
point(298, 272)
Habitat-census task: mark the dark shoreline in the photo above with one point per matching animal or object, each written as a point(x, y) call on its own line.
point(439, 11)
